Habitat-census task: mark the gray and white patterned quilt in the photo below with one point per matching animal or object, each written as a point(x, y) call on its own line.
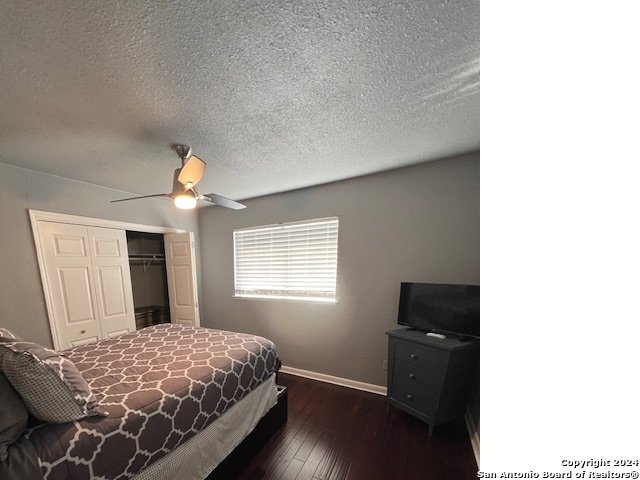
point(160, 386)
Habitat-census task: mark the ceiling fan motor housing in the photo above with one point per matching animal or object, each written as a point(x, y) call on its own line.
point(183, 151)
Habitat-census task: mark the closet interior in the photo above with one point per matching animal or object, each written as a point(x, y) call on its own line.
point(148, 278)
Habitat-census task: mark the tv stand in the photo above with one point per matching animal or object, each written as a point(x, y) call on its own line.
point(431, 378)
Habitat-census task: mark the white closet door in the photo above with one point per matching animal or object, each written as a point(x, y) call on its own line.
point(87, 272)
point(179, 249)
point(113, 281)
point(70, 280)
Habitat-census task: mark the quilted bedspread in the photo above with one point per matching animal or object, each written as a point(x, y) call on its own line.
point(160, 386)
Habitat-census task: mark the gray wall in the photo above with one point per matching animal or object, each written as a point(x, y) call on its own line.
point(420, 223)
point(22, 305)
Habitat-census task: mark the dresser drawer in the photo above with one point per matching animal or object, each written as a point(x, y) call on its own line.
point(421, 356)
point(415, 387)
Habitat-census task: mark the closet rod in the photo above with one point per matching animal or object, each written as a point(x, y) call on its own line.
point(147, 259)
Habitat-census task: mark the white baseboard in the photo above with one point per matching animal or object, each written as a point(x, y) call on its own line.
point(474, 436)
point(344, 382)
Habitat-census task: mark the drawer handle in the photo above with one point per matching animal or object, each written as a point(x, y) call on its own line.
point(410, 397)
point(412, 376)
point(83, 331)
point(413, 356)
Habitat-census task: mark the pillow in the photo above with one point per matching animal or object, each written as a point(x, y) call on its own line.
point(51, 386)
point(4, 333)
point(13, 416)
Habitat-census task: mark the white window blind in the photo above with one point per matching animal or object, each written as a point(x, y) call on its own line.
point(292, 260)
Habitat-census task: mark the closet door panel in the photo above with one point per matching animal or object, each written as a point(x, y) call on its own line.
point(69, 274)
point(181, 278)
point(113, 281)
point(75, 287)
point(112, 291)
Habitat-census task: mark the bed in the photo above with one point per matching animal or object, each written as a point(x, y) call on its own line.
point(166, 401)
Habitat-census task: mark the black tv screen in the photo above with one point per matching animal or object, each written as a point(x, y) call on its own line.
point(441, 308)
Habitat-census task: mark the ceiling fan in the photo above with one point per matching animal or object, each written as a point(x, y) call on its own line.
point(184, 193)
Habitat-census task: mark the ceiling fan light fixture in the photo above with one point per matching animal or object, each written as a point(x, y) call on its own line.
point(185, 201)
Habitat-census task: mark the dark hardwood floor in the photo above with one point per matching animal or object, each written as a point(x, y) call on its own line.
point(337, 433)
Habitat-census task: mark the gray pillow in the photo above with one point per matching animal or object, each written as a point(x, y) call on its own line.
point(7, 334)
point(13, 416)
point(51, 386)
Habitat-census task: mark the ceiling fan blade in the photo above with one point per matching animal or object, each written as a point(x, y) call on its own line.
point(222, 201)
point(191, 172)
point(177, 186)
point(143, 196)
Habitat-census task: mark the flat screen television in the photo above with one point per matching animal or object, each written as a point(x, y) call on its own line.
point(440, 308)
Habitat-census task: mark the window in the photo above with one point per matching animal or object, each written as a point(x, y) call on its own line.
point(290, 260)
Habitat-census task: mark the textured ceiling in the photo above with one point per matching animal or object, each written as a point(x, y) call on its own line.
point(273, 95)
